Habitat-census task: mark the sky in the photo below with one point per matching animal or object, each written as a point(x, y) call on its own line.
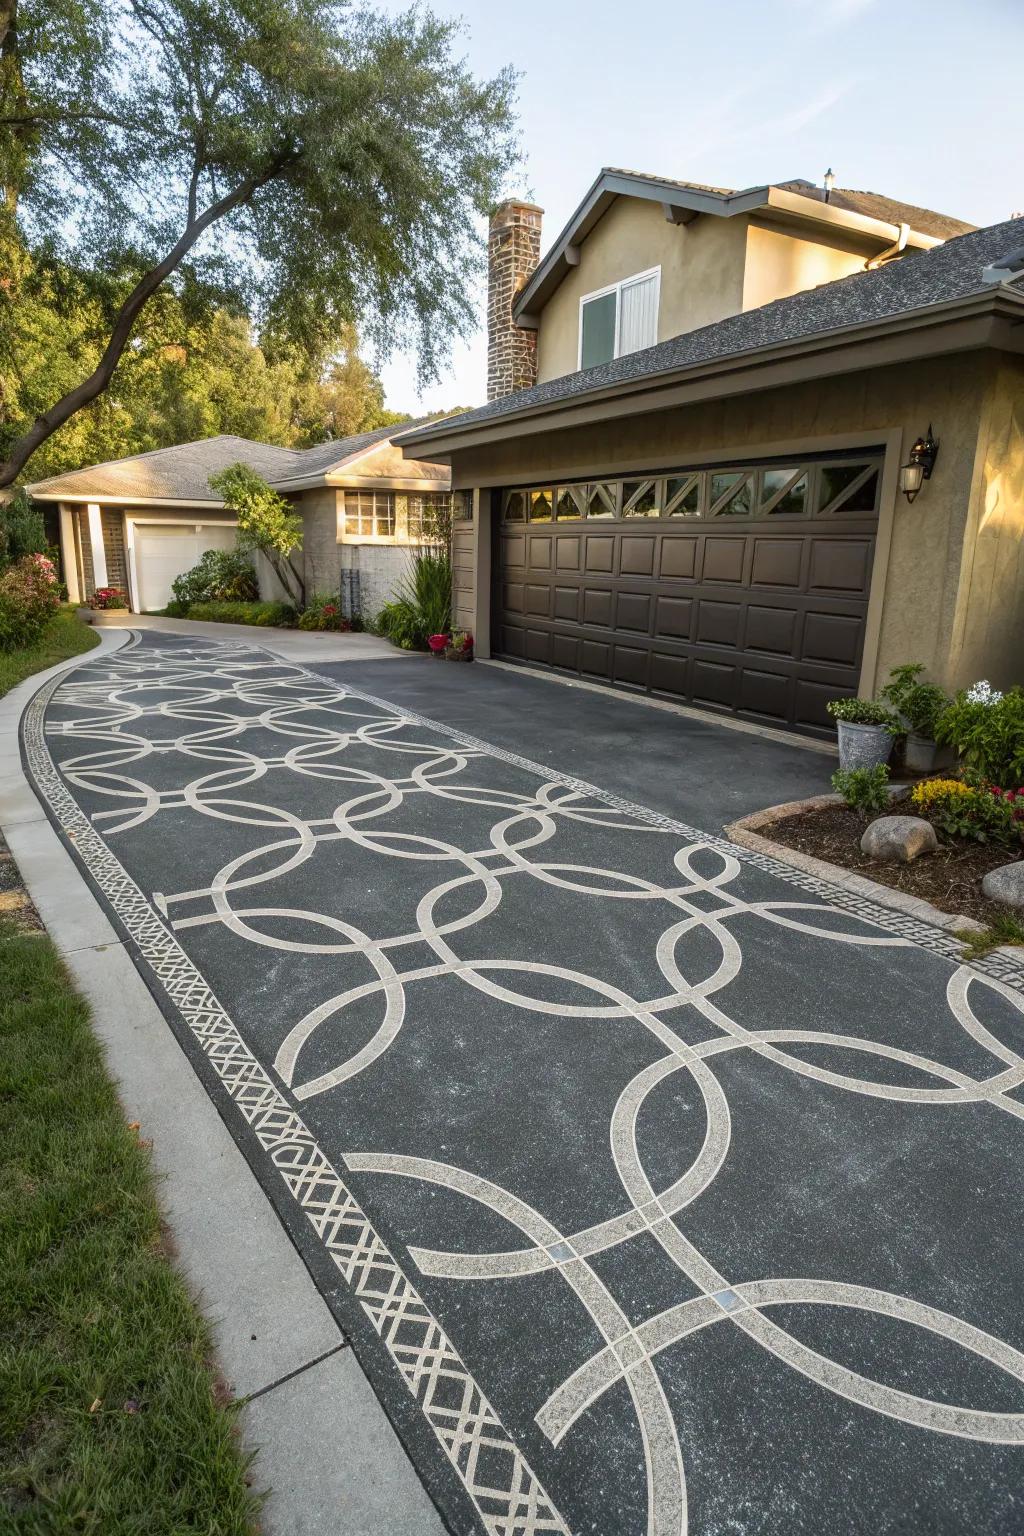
point(916, 99)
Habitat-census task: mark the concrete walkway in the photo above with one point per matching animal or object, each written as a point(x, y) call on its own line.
point(296, 645)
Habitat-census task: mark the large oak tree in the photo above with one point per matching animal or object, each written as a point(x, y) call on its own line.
point(320, 161)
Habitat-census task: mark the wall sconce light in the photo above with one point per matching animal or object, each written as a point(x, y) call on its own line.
point(919, 466)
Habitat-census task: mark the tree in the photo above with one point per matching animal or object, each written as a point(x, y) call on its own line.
point(320, 164)
point(266, 522)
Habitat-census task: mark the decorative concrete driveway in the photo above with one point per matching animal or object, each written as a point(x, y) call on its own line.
point(658, 1187)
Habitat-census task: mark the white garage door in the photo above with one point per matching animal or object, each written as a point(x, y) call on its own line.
point(165, 550)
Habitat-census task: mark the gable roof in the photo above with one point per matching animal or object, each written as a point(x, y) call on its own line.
point(182, 473)
point(936, 278)
point(869, 214)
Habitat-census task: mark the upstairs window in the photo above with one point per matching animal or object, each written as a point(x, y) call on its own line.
point(619, 319)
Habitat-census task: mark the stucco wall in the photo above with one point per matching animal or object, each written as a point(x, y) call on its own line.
point(701, 275)
point(780, 262)
point(921, 585)
point(381, 567)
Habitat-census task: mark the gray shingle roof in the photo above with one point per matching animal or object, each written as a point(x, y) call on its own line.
point(949, 271)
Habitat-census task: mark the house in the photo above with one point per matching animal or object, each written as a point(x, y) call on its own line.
point(137, 523)
point(687, 478)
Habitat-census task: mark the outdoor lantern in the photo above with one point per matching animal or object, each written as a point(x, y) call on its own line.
point(919, 466)
point(829, 182)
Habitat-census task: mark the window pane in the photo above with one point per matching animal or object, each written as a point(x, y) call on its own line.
point(638, 324)
point(540, 506)
point(572, 502)
point(793, 501)
point(603, 500)
point(515, 506)
point(462, 506)
point(598, 326)
point(835, 486)
point(384, 514)
point(682, 497)
point(640, 498)
point(730, 495)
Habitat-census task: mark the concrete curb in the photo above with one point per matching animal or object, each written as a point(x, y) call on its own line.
point(324, 1443)
point(745, 833)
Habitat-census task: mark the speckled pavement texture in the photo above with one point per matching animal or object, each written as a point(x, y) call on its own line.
point(658, 1187)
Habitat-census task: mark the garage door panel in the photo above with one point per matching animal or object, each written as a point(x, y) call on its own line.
point(600, 555)
point(719, 623)
point(633, 612)
point(538, 645)
point(565, 652)
point(567, 553)
point(540, 552)
point(597, 606)
point(673, 617)
point(513, 597)
point(772, 629)
point(723, 559)
point(678, 558)
point(670, 674)
point(811, 698)
point(839, 565)
point(595, 658)
point(765, 693)
point(714, 683)
point(777, 563)
point(631, 665)
point(537, 600)
point(637, 557)
point(512, 641)
point(513, 552)
point(567, 604)
point(832, 638)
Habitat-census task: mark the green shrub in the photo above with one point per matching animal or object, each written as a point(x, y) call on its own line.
point(987, 730)
point(973, 811)
point(280, 614)
point(863, 712)
point(323, 611)
point(921, 705)
point(865, 790)
point(176, 610)
point(221, 575)
point(28, 601)
point(21, 530)
point(422, 605)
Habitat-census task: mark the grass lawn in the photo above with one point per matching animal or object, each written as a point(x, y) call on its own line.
point(66, 636)
point(111, 1421)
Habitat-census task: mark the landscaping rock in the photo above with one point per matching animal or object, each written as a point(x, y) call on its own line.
point(899, 839)
point(1006, 884)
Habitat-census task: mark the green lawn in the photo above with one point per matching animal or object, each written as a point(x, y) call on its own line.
point(111, 1420)
point(66, 636)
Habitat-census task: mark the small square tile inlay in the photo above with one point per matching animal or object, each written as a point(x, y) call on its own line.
point(560, 1252)
point(729, 1300)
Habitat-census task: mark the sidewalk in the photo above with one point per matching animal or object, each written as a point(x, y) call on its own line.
point(296, 645)
point(325, 1446)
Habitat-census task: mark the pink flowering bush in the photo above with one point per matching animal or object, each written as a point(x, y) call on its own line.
point(109, 597)
point(29, 598)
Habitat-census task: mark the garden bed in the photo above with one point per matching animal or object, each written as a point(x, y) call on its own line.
point(950, 879)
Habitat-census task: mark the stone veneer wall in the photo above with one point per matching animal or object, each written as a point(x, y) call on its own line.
point(513, 251)
point(113, 547)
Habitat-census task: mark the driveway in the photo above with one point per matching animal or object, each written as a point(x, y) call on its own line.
point(658, 1187)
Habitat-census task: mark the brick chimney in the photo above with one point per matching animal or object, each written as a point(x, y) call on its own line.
point(513, 251)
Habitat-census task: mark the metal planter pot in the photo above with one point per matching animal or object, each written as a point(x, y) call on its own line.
point(863, 746)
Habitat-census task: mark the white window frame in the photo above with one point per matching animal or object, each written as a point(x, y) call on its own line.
point(616, 288)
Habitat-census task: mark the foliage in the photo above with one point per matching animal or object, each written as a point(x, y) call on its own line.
point(314, 163)
point(919, 704)
point(266, 521)
point(987, 730)
point(111, 1416)
point(280, 615)
point(221, 575)
point(972, 811)
point(461, 642)
point(1004, 928)
point(109, 597)
point(863, 712)
point(21, 529)
point(28, 601)
point(423, 603)
point(323, 611)
point(64, 636)
point(865, 790)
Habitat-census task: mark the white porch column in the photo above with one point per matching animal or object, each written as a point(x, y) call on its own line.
point(99, 557)
point(69, 554)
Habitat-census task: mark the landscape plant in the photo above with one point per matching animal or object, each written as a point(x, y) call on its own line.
point(976, 812)
point(109, 597)
point(919, 705)
point(987, 729)
point(278, 615)
point(865, 790)
point(220, 575)
point(422, 605)
point(22, 531)
point(863, 712)
point(266, 522)
point(323, 612)
point(29, 600)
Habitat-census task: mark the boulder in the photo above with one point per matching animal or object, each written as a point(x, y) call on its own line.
point(1006, 884)
point(898, 839)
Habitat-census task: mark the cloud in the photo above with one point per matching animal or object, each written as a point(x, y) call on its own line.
point(738, 127)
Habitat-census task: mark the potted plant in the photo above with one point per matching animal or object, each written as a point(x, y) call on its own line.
point(867, 730)
point(439, 644)
point(105, 600)
point(920, 707)
point(460, 647)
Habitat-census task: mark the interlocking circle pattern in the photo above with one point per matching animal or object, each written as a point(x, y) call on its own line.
point(284, 791)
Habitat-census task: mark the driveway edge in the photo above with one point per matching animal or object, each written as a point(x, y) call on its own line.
point(323, 1442)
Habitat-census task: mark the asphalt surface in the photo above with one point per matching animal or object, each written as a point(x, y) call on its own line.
point(656, 1191)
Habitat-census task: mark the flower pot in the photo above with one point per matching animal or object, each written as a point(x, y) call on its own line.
point(107, 617)
point(920, 753)
point(454, 654)
point(863, 746)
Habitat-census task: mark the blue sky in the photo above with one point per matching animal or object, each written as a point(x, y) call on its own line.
point(919, 99)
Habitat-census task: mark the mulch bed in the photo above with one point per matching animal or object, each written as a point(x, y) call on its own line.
point(950, 879)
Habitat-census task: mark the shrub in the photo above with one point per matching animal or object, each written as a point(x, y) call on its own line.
point(266, 521)
point(28, 601)
point(973, 811)
point(920, 704)
point(423, 604)
point(865, 790)
point(323, 611)
point(109, 597)
point(221, 575)
point(863, 712)
point(987, 730)
point(279, 614)
point(21, 529)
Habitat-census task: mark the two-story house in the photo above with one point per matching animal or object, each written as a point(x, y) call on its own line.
point(707, 465)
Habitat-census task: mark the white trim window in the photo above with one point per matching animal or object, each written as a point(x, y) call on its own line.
point(619, 319)
point(370, 514)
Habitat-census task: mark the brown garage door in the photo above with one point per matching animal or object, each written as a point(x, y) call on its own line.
point(743, 587)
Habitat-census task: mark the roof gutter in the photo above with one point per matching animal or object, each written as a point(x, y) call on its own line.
point(701, 380)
